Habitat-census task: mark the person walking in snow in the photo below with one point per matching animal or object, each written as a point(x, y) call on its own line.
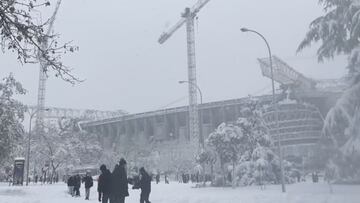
point(77, 185)
point(166, 179)
point(104, 185)
point(70, 184)
point(157, 178)
point(144, 185)
point(119, 183)
point(36, 179)
point(88, 180)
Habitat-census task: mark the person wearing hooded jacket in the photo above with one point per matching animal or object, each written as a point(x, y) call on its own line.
point(104, 185)
point(88, 180)
point(77, 185)
point(144, 185)
point(119, 183)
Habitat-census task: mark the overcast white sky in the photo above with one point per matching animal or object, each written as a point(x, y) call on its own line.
point(125, 68)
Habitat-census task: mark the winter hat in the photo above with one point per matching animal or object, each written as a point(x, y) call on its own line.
point(142, 170)
point(102, 167)
point(122, 162)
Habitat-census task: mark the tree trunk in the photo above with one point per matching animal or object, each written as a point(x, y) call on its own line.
point(203, 174)
point(223, 172)
point(233, 176)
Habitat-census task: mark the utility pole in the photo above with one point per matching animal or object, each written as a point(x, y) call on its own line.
point(275, 107)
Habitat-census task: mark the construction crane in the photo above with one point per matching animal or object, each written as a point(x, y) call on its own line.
point(188, 18)
point(42, 73)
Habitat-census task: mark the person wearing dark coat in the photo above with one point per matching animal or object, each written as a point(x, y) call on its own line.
point(166, 179)
point(104, 185)
point(119, 183)
point(36, 179)
point(88, 180)
point(157, 178)
point(70, 183)
point(77, 185)
point(144, 185)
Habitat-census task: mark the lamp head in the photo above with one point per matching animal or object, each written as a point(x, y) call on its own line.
point(182, 81)
point(244, 29)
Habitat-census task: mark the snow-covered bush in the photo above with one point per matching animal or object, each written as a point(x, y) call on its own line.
point(228, 142)
point(207, 158)
point(246, 145)
point(262, 168)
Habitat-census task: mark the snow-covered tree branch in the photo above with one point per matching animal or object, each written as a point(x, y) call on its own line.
point(20, 33)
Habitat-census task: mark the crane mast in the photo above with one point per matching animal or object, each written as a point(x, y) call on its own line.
point(188, 18)
point(42, 74)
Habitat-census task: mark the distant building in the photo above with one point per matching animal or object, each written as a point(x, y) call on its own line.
point(162, 137)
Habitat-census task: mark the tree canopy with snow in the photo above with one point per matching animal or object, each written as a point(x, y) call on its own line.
point(11, 115)
point(21, 33)
point(226, 140)
point(65, 146)
point(338, 32)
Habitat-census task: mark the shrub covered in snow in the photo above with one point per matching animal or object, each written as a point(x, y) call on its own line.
point(246, 145)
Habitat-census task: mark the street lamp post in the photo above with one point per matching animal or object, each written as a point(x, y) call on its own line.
point(28, 147)
point(274, 105)
point(201, 137)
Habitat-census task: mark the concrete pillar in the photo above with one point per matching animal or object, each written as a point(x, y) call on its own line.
point(147, 128)
point(212, 118)
point(176, 125)
point(126, 130)
point(154, 128)
point(135, 127)
point(187, 125)
point(118, 129)
point(223, 114)
point(107, 137)
point(237, 111)
point(166, 127)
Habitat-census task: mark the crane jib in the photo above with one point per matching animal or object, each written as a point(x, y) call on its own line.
point(188, 13)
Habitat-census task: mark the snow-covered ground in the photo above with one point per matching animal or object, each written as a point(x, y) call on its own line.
point(184, 193)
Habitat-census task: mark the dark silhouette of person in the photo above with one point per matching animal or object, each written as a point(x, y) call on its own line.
point(119, 183)
point(88, 180)
point(166, 179)
point(77, 185)
point(70, 184)
point(157, 178)
point(104, 185)
point(36, 179)
point(144, 185)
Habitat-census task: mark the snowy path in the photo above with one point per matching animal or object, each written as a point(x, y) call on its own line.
point(181, 193)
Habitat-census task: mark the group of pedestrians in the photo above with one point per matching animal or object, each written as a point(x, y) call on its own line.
point(74, 184)
point(113, 187)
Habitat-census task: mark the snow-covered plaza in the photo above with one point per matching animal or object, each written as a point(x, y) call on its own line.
point(306, 192)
